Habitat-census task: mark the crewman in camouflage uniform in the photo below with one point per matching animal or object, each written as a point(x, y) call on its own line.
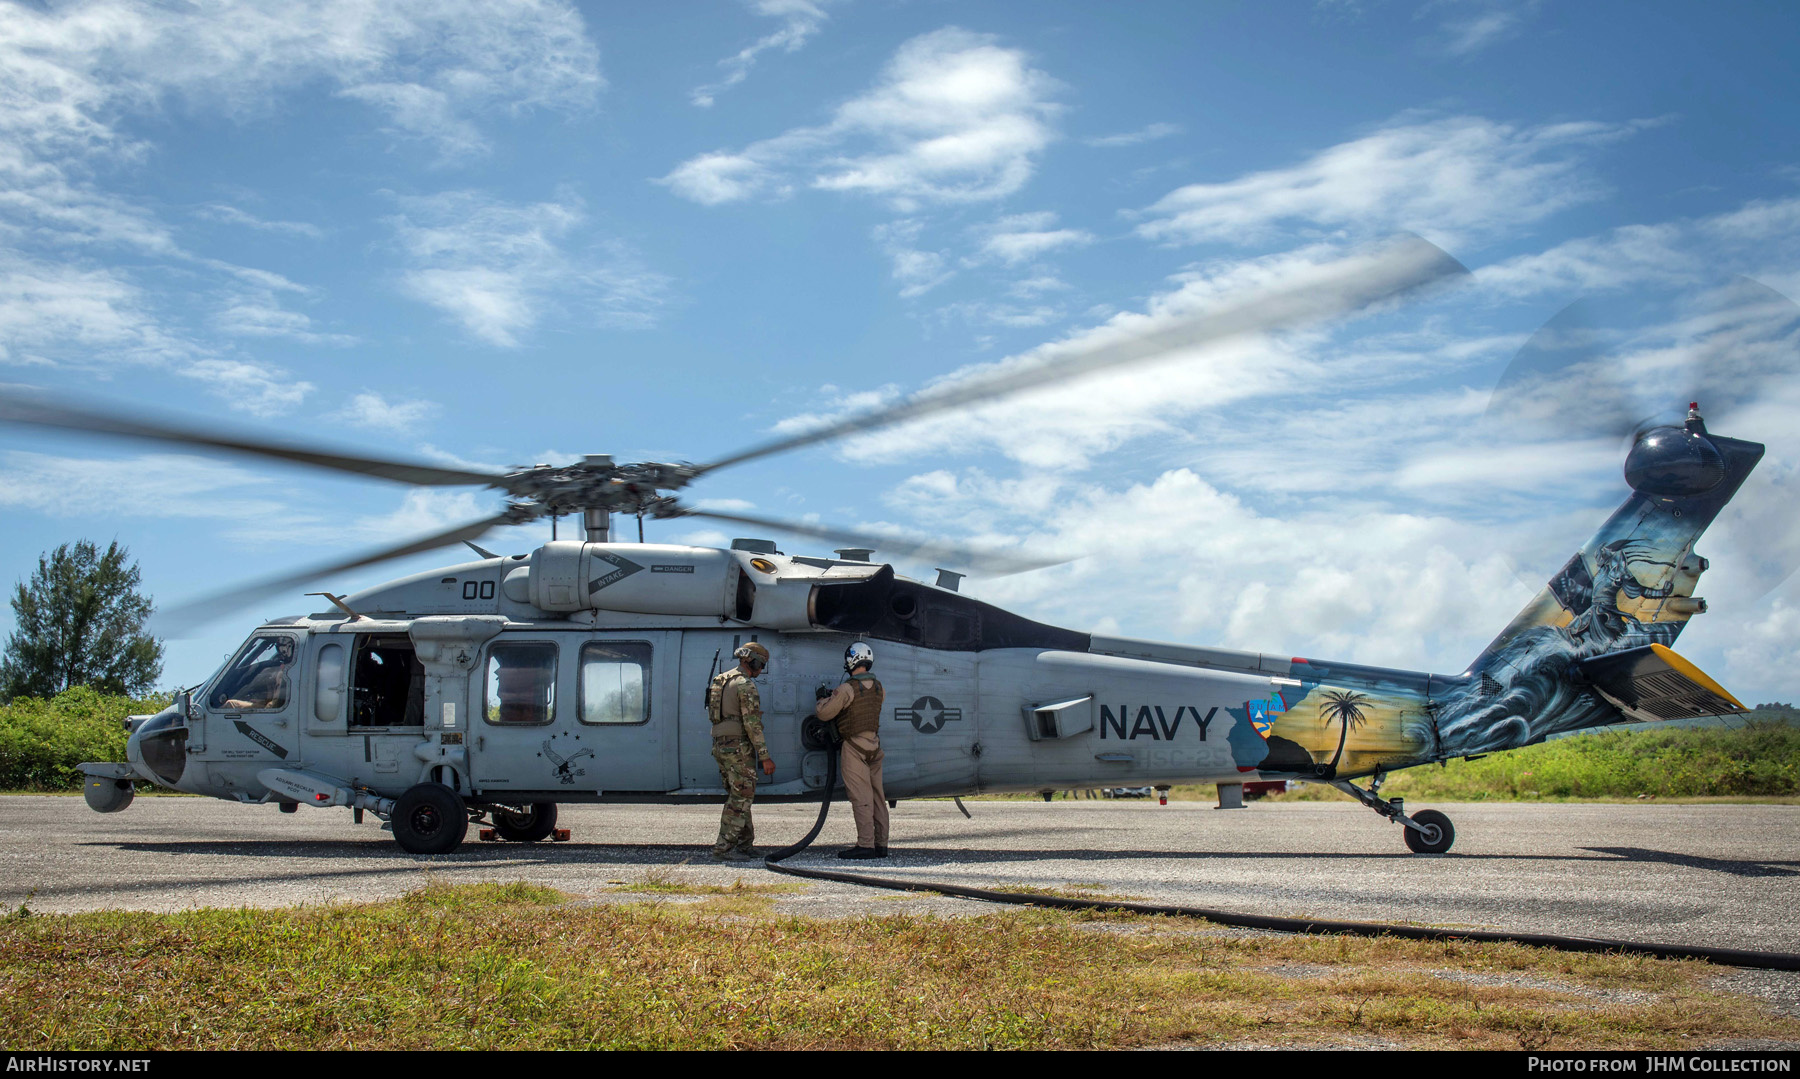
point(856, 707)
point(735, 709)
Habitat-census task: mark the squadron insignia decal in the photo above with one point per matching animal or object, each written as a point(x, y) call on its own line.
point(565, 761)
point(928, 715)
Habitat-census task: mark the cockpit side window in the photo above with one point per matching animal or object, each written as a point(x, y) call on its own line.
point(260, 680)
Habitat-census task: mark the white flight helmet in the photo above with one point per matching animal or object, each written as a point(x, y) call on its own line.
point(858, 655)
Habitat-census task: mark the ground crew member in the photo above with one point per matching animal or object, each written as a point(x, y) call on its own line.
point(856, 708)
point(735, 709)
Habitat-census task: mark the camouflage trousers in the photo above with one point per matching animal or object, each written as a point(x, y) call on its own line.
point(737, 767)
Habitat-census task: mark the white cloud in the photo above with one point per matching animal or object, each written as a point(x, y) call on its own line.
point(148, 485)
point(800, 20)
point(44, 306)
point(257, 313)
point(1465, 27)
point(916, 271)
point(499, 268)
point(232, 215)
point(1448, 178)
point(1179, 554)
point(1024, 237)
point(1147, 133)
point(67, 73)
point(371, 410)
point(257, 388)
point(953, 118)
point(1063, 425)
point(1760, 239)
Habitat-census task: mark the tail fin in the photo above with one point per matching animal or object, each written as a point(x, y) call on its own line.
point(1629, 587)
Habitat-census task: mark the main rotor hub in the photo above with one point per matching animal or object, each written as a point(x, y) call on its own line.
point(596, 483)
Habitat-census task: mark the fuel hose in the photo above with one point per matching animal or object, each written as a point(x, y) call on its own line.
point(1733, 957)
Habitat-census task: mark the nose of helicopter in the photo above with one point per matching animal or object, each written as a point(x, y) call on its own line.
point(157, 749)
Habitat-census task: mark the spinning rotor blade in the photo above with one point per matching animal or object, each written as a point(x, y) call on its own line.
point(1606, 369)
point(990, 563)
point(178, 620)
point(1345, 286)
point(71, 418)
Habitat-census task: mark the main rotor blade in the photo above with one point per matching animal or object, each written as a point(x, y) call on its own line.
point(178, 620)
point(984, 561)
point(73, 418)
point(1352, 283)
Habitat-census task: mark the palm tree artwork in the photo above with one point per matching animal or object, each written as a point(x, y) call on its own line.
point(1347, 710)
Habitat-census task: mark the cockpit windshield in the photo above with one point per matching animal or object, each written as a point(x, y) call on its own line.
point(260, 679)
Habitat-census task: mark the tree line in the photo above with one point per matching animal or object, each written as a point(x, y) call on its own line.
point(79, 621)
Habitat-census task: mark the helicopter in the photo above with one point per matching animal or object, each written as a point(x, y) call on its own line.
point(493, 690)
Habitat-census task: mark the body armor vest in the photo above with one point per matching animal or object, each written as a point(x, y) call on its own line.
point(724, 724)
point(863, 714)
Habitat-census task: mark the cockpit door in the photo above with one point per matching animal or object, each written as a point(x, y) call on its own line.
point(251, 708)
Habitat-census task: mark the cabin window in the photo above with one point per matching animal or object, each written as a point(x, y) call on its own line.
point(521, 684)
point(389, 687)
point(259, 680)
point(615, 682)
point(328, 691)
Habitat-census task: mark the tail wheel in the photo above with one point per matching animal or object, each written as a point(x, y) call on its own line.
point(430, 819)
point(532, 823)
point(1437, 834)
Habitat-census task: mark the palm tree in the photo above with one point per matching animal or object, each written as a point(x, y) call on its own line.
point(1346, 708)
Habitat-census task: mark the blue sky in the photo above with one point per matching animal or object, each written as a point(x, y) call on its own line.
point(521, 230)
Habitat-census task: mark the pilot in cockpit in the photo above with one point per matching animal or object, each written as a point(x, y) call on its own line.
point(266, 685)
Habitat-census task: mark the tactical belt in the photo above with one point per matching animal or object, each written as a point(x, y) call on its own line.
point(728, 728)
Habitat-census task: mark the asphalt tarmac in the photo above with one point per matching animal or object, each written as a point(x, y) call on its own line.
point(1719, 875)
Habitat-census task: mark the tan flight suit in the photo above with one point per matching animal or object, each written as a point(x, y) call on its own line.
point(856, 706)
point(735, 709)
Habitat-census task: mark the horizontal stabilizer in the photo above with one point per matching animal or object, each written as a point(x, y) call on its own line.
point(1653, 682)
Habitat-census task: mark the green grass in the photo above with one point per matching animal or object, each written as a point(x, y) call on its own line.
point(517, 966)
point(1757, 761)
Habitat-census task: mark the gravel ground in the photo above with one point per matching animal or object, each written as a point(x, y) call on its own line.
point(1698, 875)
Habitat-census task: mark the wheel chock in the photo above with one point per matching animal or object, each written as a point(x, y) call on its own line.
point(489, 836)
point(561, 835)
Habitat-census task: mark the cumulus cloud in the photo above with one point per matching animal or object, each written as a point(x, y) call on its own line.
point(800, 20)
point(1447, 179)
point(498, 268)
point(954, 118)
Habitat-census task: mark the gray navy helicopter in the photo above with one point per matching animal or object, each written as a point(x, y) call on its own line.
point(494, 690)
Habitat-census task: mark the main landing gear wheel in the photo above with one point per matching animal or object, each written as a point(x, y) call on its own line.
point(430, 819)
point(532, 823)
point(1437, 836)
